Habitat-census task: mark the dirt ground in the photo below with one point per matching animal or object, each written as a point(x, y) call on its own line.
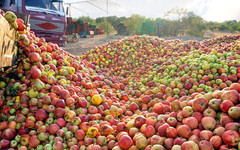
point(85, 44)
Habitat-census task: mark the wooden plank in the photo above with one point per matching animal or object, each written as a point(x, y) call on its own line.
point(8, 47)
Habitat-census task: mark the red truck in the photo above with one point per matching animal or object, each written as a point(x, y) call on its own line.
point(47, 17)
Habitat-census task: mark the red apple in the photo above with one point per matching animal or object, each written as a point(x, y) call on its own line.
point(146, 99)
point(184, 131)
point(92, 109)
point(226, 105)
point(205, 135)
point(121, 126)
point(200, 104)
point(149, 131)
point(106, 129)
point(4, 143)
point(59, 112)
point(209, 113)
point(168, 143)
point(158, 108)
point(58, 145)
point(82, 102)
point(225, 120)
point(125, 142)
point(41, 114)
point(172, 121)
point(192, 122)
point(35, 72)
point(53, 128)
point(216, 141)
point(55, 89)
point(232, 126)
point(35, 57)
point(219, 131)
point(132, 131)
point(156, 139)
point(64, 94)
point(171, 132)
point(179, 141)
point(231, 138)
point(235, 86)
point(206, 145)
point(189, 145)
point(208, 123)
point(9, 134)
point(133, 106)
point(33, 141)
point(194, 138)
point(162, 129)
point(139, 121)
point(231, 95)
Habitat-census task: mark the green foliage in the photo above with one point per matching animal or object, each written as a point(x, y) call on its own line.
point(87, 19)
point(230, 26)
point(106, 26)
point(114, 20)
point(177, 22)
point(170, 28)
point(194, 25)
point(134, 24)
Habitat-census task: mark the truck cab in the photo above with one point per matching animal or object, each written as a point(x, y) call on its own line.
point(47, 17)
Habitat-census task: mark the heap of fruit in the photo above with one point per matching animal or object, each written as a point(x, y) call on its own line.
point(137, 93)
point(16, 23)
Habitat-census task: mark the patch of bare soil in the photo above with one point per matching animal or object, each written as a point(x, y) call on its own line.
point(85, 44)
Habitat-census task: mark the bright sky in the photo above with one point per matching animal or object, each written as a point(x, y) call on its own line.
point(210, 10)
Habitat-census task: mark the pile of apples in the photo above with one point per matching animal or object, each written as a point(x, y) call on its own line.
point(16, 23)
point(140, 92)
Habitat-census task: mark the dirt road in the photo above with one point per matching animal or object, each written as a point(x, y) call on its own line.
point(85, 44)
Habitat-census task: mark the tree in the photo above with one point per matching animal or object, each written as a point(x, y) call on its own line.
point(99, 19)
point(134, 24)
point(106, 26)
point(170, 28)
point(176, 13)
point(114, 20)
point(193, 24)
point(213, 26)
point(87, 19)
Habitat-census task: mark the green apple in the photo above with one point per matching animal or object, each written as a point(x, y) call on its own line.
point(48, 147)
point(15, 25)
point(10, 17)
point(2, 84)
point(32, 93)
point(176, 91)
point(22, 36)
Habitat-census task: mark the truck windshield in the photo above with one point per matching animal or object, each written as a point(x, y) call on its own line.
point(46, 4)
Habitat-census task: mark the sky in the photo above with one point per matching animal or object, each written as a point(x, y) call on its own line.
point(209, 10)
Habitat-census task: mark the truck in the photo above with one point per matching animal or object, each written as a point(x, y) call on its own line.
point(47, 17)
